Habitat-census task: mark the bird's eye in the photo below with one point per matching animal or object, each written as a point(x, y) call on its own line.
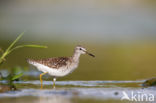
point(80, 49)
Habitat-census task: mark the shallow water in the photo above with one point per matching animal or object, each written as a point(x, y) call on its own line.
point(75, 91)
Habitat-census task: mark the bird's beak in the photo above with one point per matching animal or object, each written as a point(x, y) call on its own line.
point(90, 54)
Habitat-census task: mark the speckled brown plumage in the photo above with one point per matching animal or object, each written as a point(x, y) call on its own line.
point(53, 62)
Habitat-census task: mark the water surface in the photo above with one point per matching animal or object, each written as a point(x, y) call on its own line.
point(74, 91)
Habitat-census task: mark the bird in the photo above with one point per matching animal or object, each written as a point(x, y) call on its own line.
point(59, 66)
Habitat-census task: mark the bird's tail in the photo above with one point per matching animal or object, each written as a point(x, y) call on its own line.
point(30, 61)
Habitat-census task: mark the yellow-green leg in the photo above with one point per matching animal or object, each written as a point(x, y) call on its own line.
point(54, 79)
point(41, 79)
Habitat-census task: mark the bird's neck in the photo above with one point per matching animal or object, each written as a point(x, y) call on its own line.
point(76, 56)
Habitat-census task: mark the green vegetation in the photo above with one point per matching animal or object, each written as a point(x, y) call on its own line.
point(11, 48)
point(16, 72)
point(14, 75)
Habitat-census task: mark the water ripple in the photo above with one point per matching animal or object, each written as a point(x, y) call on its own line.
point(79, 83)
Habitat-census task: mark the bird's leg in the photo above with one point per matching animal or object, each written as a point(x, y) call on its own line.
point(41, 78)
point(54, 79)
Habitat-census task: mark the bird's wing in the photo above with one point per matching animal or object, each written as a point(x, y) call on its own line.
point(53, 62)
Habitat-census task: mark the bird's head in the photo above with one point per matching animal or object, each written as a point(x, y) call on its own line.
point(82, 50)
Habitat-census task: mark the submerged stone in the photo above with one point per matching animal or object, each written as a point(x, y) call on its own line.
point(6, 88)
point(149, 82)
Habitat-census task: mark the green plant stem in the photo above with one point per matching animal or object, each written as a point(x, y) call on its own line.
point(10, 48)
point(2, 58)
point(21, 46)
point(13, 43)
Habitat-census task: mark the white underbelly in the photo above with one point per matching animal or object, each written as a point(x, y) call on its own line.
point(54, 72)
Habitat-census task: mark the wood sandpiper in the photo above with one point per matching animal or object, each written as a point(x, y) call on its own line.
point(59, 66)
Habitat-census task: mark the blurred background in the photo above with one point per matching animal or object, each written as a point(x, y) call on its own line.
point(121, 33)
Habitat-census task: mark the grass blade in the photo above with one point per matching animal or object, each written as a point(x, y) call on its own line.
point(2, 58)
point(32, 46)
point(16, 76)
point(13, 43)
